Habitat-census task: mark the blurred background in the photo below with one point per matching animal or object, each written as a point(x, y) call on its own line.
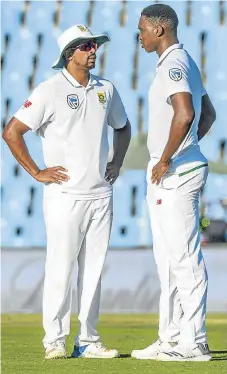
point(29, 47)
point(29, 30)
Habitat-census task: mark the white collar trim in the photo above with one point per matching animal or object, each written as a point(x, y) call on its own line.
point(73, 81)
point(168, 50)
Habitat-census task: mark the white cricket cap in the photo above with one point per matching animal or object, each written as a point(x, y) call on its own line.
point(73, 35)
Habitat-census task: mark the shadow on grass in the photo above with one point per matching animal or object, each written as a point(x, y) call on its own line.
point(121, 356)
point(223, 356)
point(218, 352)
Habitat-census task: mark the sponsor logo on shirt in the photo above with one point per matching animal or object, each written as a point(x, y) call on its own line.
point(73, 101)
point(102, 97)
point(159, 201)
point(175, 74)
point(27, 104)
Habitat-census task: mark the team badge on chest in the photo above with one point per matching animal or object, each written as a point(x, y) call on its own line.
point(73, 101)
point(102, 97)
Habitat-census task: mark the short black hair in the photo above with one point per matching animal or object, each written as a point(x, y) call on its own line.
point(162, 13)
point(69, 52)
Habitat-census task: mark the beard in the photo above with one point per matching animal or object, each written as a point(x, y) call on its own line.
point(87, 64)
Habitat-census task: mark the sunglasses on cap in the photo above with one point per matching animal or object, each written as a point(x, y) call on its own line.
point(87, 46)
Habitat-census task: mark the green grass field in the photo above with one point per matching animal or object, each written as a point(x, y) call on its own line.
point(22, 350)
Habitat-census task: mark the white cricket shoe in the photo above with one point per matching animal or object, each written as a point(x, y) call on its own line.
point(200, 352)
point(55, 350)
point(152, 351)
point(94, 350)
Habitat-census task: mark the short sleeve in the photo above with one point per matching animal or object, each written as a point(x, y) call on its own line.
point(174, 77)
point(204, 92)
point(117, 116)
point(37, 110)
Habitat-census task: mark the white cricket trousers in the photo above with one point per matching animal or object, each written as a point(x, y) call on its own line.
point(174, 215)
point(77, 230)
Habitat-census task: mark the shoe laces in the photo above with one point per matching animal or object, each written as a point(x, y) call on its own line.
point(101, 346)
point(157, 343)
point(161, 347)
point(60, 344)
point(187, 352)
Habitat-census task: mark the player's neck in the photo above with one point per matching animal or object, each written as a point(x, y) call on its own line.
point(166, 43)
point(81, 76)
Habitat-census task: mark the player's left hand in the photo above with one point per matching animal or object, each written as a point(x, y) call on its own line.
point(112, 172)
point(158, 171)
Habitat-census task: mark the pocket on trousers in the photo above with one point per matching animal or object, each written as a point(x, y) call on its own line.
point(172, 181)
point(103, 208)
point(197, 178)
point(169, 181)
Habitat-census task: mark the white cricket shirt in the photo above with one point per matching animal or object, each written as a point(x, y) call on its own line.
point(176, 72)
point(72, 121)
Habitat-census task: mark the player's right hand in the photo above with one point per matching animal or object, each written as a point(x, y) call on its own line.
point(52, 175)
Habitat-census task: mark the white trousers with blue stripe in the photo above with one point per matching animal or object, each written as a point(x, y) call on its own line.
point(174, 214)
point(77, 230)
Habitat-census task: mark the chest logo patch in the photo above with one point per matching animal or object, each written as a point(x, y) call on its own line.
point(73, 101)
point(102, 97)
point(175, 74)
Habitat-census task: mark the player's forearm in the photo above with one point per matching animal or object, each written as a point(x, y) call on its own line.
point(120, 143)
point(19, 149)
point(178, 131)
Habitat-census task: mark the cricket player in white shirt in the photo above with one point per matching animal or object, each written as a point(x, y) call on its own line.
point(180, 114)
point(71, 112)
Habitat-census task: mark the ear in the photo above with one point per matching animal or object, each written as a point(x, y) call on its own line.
point(159, 31)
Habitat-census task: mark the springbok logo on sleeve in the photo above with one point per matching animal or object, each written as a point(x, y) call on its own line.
point(175, 74)
point(73, 101)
